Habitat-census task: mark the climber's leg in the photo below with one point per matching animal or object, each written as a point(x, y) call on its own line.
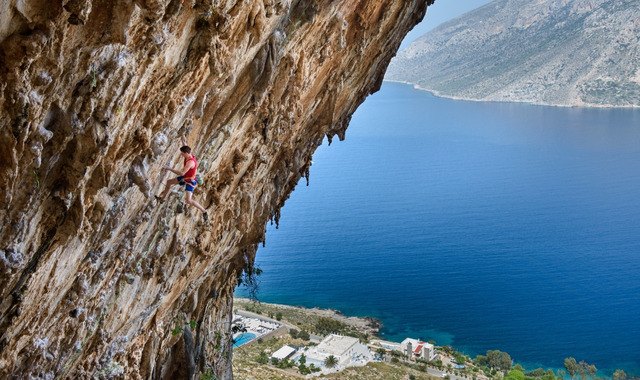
point(167, 188)
point(188, 198)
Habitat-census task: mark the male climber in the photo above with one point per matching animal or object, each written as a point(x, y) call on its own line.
point(187, 178)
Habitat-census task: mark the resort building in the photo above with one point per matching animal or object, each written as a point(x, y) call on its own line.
point(347, 350)
point(416, 349)
point(285, 352)
point(253, 328)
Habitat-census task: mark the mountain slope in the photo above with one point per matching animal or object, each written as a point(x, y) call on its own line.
point(560, 52)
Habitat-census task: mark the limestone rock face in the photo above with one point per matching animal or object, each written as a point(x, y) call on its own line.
point(97, 279)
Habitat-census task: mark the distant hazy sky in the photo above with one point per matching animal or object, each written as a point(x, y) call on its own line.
point(441, 11)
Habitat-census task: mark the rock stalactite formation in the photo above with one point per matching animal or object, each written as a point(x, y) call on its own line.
point(98, 280)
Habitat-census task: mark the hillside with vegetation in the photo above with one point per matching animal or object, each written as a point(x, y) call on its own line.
point(568, 53)
point(301, 327)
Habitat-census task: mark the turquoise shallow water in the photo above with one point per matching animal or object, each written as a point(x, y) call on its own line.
point(482, 225)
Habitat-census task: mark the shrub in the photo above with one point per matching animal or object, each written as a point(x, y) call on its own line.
point(304, 335)
point(326, 326)
point(304, 370)
point(331, 361)
point(262, 358)
point(293, 333)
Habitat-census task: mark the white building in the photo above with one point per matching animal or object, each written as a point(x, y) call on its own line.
point(347, 350)
point(284, 352)
point(415, 349)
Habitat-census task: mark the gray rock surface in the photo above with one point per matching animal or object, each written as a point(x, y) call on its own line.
point(558, 52)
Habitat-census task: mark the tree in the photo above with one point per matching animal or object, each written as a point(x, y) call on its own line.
point(515, 374)
point(326, 326)
point(549, 375)
point(303, 359)
point(304, 370)
point(304, 335)
point(459, 358)
point(585, 369)
point(279, 316)
point(330, 361)
point(498, 359)
point(293, 333)
point(481, 360)
point(538, 372)
point(581, 368)
point(571, 365)
point(619, 375)
point(262, 358)
point(382, 352)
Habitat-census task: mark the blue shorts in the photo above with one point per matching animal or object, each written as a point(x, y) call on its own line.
point(189, 185)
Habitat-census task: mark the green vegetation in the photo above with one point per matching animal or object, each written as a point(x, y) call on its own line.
point(459, 358)
point(331, 361)
point(302, 366)
point(326, 326)
point(515, 374)
point(252, 361)
point(262, 358)
point(208, 375)
point(495, 359)
point(248, 277)
point(619, 375)
point(36, 179)
point(582, 368)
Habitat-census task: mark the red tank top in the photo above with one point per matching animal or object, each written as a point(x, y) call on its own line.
point(191, 173)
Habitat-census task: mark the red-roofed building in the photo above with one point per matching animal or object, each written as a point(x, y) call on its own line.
point(418, 349)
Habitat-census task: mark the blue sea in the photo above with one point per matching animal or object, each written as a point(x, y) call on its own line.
point(481, 225)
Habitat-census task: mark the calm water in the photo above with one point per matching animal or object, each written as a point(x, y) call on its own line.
point(482, 225)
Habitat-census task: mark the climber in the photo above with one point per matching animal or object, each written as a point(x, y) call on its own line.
point(187, 178)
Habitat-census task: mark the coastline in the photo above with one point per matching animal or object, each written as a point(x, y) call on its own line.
point(543, 104)
point(366, 325)
point(369, 327)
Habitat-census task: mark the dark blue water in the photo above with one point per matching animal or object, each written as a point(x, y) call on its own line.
point(481, 225)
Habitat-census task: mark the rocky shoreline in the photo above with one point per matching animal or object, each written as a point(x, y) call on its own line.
point(532, 103)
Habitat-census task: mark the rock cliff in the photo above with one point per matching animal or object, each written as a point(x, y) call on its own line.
point(98, 280)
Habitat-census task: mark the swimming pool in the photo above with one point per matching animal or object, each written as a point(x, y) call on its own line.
point(243, 339)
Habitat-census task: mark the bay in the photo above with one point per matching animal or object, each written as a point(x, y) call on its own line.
point(481, 225)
